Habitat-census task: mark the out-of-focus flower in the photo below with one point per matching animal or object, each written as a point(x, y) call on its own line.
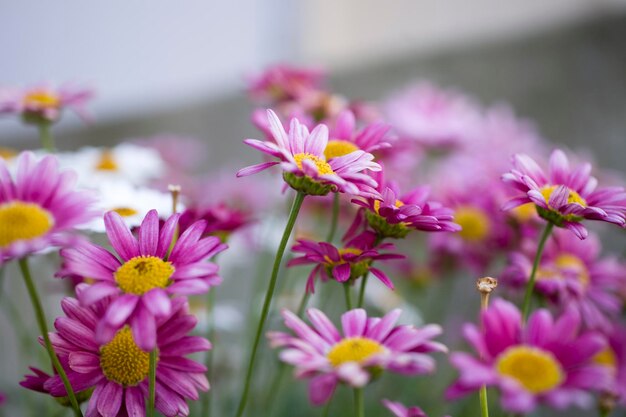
point(613, 357)
point(365, 348)
point(39, 207)
point(344, 138)
point(545, 361)
point(44, 103)
point(147, 274)
point(126, 162)
point(565, 197)
point(285, 82)
point(572, 274)
point(118, 370)
point(433, 117)
point(221, 220)
point(399, 410)
point(301, 156)
point(350, 262)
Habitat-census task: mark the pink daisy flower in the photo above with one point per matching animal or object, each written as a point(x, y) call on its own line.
point(44, 103)
point(284, 82)
point(364, 348)
point(221, 219)
point(301, 156)
point(350, 262)
point(39, 207)
point(118, 370)
point(344, 138)
point(565, 197)
point(400, 410)
point(143, 276)
point(545, 361)
point(572, 274)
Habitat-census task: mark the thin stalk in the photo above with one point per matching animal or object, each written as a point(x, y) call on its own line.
point(333, 220)
point(45, 136)
point(206, 402)
point(359, 408)
point(297, 203)
point(43, 328)
point(484, 405)
point(327, 408)
point(348, 295)
point(362, 290)
point(531, 282)
point(151, 383)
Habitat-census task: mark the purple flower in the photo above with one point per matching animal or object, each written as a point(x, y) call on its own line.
point(45, 103)
point(342, 264)
point(399, 410)
point(545, 361)
point(565, 197)
point(364, 348)
point(145, 274)
point(572, 274)
point(118, 370)
point(39, 207)
point(301, 156)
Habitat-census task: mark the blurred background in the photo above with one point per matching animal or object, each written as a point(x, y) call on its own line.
point(180, 67)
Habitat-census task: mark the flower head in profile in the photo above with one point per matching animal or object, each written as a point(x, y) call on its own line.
point(144, 274)
point(347, 263)
point(285, 82)
point(565, 196)
point(400, 410)
point(117, 371)
point(221, 219)
point(301, 156)
point(571, 273)
point(44, 103)
point(361, 351)
point(345, 138)
point(546, 361)
point(39, 207)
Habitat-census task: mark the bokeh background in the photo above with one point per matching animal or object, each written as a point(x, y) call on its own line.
point(180, 67)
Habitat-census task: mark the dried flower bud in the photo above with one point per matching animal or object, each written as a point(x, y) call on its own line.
point(486, 285)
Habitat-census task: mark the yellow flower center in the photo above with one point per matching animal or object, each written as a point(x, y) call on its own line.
point(525, 212)
point(353, 349)
point(125, 211)
point(536, 370)
point(323, 167)
point(7, 153)
point(342, 252)
point(573, 196)
point(43, 99)
point(23, 221)
point(569, 261)
point(474, 222)
point(607, 358)
point(122, 361)
point(143, 273)
point(377, 205)
point(107, 162)
point(336, 148)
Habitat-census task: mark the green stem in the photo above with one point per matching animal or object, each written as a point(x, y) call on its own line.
point(295, 208)
point(43, 328)
point(151, 383)
point(362, 290)
point(531, 282)
point(45, 136)
point(206, 402)
point(334, 218)
point(348, 295)
point(359, 409)
point(327, 407)
point(484, 405)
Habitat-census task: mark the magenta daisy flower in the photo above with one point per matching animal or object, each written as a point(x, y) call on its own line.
point(285, 82)
point(39, 207)
point(545, 361)
point(344, 138)
point(364, 348)
point(572, 274)
point(44, 104)
point(565, 197)
point(221, 219)
point(144, 275)
point(393, 215)
point(118, 370)
point(400, 410)
point(305, 167)
point(350, 262)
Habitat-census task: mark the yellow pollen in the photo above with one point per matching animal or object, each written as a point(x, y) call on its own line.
point(342, 251)
point(573, 196)
point(23, 221)
point(122, 361)
point(323, 168)
point(569, 261)
point(42, 98)
point(353, 349)
point(377, 205)
point(475, 224)
point(336, 148)
point(7, 153)
point(536, 370)
point(607, 358)
point(107, 162)
point(143, 273)
point(525, 212)
point(125, 211)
